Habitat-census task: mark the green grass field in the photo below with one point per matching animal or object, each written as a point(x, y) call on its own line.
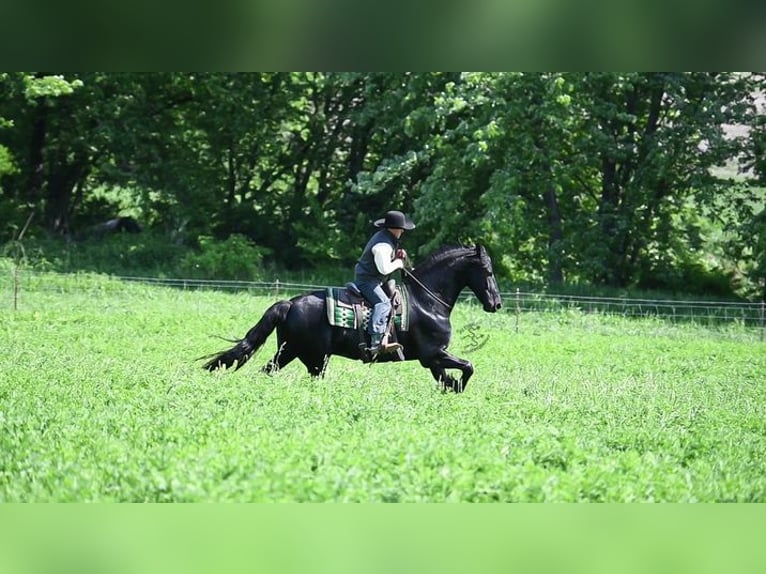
point(101, 399)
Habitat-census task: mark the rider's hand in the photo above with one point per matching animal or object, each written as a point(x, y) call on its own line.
point(401, 254)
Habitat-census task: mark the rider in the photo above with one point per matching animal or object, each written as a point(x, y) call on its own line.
point(380, 258)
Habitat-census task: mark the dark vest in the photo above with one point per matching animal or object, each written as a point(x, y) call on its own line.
point(365, 269)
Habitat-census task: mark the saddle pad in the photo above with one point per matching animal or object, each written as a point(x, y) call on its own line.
point(347, 311)
point(340, 311)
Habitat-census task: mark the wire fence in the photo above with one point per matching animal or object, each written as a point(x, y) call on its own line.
point(748, 314)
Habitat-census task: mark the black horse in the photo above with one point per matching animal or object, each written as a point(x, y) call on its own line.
point(432, 289)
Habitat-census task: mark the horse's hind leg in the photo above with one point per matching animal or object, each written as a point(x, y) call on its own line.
point(282, 357)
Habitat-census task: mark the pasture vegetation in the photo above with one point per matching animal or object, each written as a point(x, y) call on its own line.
point(101, 400)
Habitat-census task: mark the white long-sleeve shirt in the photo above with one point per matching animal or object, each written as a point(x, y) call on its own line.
point(384, 259)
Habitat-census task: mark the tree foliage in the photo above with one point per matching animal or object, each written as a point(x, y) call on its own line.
point(599, 178)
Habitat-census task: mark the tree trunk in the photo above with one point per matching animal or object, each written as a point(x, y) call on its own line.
point(61, 183)
point(231, 182)
point(608, 215)
point(555, 236)
point(36, 174)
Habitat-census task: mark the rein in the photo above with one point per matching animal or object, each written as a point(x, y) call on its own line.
point(426, 289)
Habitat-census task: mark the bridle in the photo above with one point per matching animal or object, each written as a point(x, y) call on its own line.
point(433, 295)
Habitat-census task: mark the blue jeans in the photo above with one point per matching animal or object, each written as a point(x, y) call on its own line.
point(381, 306)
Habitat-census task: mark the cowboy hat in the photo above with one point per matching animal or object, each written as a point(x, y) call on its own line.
point(395, 220)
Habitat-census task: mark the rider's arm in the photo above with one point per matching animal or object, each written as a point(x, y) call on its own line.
point(384, 259)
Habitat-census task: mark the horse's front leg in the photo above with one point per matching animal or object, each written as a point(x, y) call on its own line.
point(444, 361)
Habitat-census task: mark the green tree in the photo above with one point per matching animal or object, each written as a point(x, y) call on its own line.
point(50, 161)
point(584, 175)
point(656, 138)
point(603, 178)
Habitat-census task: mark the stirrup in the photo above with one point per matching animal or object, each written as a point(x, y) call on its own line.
point(389, 348)
point(385, 346)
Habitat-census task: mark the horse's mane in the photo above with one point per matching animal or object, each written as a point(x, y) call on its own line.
point(444, 253)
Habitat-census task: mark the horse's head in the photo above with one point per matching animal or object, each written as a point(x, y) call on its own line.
point(481, 280)
point(445, 273)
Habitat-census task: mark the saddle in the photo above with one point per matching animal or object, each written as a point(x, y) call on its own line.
point(347, 308)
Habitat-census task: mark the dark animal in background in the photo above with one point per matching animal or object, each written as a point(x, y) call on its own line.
point(116, 225)
point(432, 289)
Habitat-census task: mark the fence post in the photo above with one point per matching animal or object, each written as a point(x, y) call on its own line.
point(18, 257)
point(763, 307)
point(518, 310)
point(276, 287)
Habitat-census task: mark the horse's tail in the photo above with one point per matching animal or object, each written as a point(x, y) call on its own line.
point(255, 338)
